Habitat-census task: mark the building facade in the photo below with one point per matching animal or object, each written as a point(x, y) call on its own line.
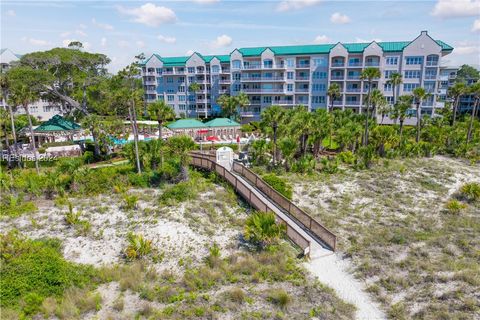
point(447, 78)
point(41, 109)
point(294, 75)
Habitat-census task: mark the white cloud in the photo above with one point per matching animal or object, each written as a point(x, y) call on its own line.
point(288, 5)
point(361, 40)
point(166, 39)
point(338, 18)
point(456, 8)
point(476, 26)
point(150, 14)
point(36, 42)
point(11, 13)
point(467, 50)
point(222, 41)
point(322, 39)
point(101, 25)
point(103, 42)
point(123, 44)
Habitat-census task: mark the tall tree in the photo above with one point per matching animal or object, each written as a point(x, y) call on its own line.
point(161, 112)
point(475, 91)
point(395, 80)
point(288, 147)
point(419, 95)
point(179, 147)
point(400, 112)
point(467, 74)
point(321, 128)
point(70, 73)
point(272, 119)
point(369, 74)
point(333, 93)
point(194, 88)
point(456, 92)
point(5, 86)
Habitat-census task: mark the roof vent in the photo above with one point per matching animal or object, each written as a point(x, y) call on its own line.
point(423, 32)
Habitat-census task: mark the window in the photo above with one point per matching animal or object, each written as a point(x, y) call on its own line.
point(159, 71)
point(170, 91)
point(236, 87)
point(191, 98)
point(414, 60)
point(290, 87)
point(170, 97)
point(191, 69)
point(387, 87)
point(319, 75)
point(181, 89)
point(319, 62)
point(431, 73)
point(181, 79)
point(318, 99)
point(388, 73)
point(432, 60)
point(161, 98)
point(289, 75)
point(354, 61)
point(389, 99)
point(267, 99)
point(171, 106)
point(429, 86)
point(319, 87)
point(267, 63)
point(408, 87)
point(191, 79)
point(236, 64)
point(181, 107)
point(412, 74)
point(290, 63)
point(181, 98)
point(392, 61)
point(236, 76)
point(215, 69)
point(169, 79)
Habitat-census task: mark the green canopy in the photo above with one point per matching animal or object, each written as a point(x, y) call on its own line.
point(222, 122)
point(57, 123)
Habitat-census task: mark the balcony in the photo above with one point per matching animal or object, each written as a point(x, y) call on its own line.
point(432, 63)
point(352, 103)
point(353, 77)
point(255, 79)
point(150, 90)
point(352, 90)
point(302, 90)
point(283, 102)
point(301, 102)
point(168, 72)
point(338, 64)
point(223, 91)
point(372, 64)
point(151, 73)
point(430, 76)
point(302, 78)
point(252, 67)
point(150, 82)
point(203, 100)
point(337, 77)
point(224, 81)
point(225, 71)
point(354, 64)
point(303, 65)
point(180, 71)
point(338, 103)
point(263, 90)
point(249, 114)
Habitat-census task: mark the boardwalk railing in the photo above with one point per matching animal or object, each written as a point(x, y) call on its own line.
point(307, 222)
point(205, 162)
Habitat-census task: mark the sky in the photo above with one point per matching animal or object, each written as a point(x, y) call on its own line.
point(123, 29)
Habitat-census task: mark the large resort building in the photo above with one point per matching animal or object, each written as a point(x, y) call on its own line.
point(295, 75)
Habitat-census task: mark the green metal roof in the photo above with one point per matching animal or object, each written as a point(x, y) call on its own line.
point(186, 124)
point(57, 123)
point(222, 122)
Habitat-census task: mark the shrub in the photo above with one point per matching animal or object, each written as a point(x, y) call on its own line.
point(329, 166)
point(347, 157)
point(138, 247)
point(262, 229)
point(14, 206)
point(33, 270)
point(179, 192)
point(279, 184)
point(279, 297)
point(454, 206)
point(471, 191)
point(213, 259)
point(236, 295)
point(130, 202)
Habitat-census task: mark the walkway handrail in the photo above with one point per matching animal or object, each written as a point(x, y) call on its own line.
point(305, 219)
point(205, 162)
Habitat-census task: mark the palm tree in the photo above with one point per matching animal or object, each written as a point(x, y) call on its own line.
point(395, 80)
point(475, 91)
point(242, 100)
point(5, 87)
point(194, 88)
point(228, 105)
point(288, 147)
point(179, 147)
point(321, 128)
point(400, 111)
point(456, 92)
point(376, 98)
point(161, 112)
point(23, 95)
point(382, 135)
point(383, 109)
point(301, 125)
point(369, 74)
point(272, 117)
point(333, 93)
point(262, 229)
point(419, 95)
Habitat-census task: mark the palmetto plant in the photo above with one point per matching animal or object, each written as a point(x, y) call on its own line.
point(272, 119)
point(288, 147)
point(475, 91)
point(160, 112)
point(262, 229)
point(400, 112)
point(419, 95)
point(138, 247)
point(179, 147)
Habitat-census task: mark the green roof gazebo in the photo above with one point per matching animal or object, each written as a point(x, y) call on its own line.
point(56, 127)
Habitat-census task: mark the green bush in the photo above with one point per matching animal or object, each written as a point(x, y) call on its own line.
point(471, 191)
point(279, 184)
point(329, 165)
point(14, 206)
point(262, 230)
point(279, 297)
point(454, 206)
point(138, 247)
point(33, 270)
point(347, 157)
point(179, 192)
point(130, 202)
